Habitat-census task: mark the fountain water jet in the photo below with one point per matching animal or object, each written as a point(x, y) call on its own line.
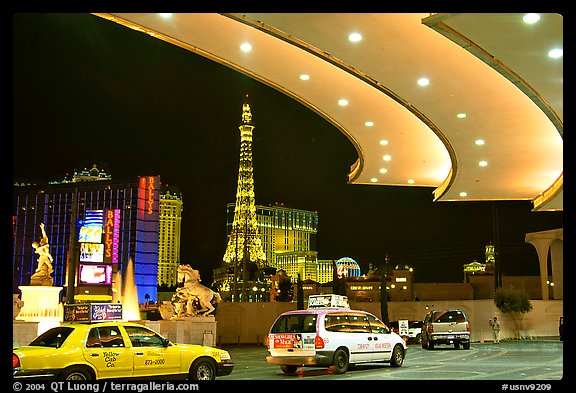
point(130, 307)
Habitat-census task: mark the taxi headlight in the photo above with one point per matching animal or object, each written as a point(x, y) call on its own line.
point(224, 355)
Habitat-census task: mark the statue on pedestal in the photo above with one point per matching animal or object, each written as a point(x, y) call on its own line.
point(42, 275)
point(193, 299)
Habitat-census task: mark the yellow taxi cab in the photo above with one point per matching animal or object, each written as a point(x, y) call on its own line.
point(101, 350)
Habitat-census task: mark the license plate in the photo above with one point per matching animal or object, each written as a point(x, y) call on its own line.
point(450, 337)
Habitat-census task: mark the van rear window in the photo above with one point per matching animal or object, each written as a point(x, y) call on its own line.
point(295, 323)
point(449, 316)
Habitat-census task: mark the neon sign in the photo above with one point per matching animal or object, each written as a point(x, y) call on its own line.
point(112, 235)
point(150, 194)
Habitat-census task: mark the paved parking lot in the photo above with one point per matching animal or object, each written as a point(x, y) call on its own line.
point(534, 360)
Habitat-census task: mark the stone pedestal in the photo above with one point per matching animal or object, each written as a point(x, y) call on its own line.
point(42, 305)
point(23, 332)
point(194, 330)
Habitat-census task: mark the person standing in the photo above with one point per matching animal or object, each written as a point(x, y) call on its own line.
point(495, 324)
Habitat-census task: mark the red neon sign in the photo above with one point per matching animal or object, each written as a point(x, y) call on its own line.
point(150, 194)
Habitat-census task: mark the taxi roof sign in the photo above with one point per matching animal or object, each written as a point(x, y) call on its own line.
point(93, 312)
point(328, 302)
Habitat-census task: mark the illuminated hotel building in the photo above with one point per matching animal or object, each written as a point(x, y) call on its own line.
point(170, 229)
point(283, 230)
point(130, 211)
point(288, 238)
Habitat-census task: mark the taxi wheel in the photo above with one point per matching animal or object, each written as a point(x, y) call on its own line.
point(203, 370)
point(289, 369)
point(397, 356)
point(340, 365)
point(75, 374)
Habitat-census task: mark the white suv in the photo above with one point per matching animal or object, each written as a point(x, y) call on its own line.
point(333, 337)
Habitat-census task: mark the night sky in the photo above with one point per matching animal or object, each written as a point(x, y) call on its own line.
point(86, 90)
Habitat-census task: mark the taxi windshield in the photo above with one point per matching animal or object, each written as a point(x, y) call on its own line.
point(53, 338)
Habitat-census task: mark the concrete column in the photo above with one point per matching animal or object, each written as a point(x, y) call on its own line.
point(557, 257)
point(542, 241)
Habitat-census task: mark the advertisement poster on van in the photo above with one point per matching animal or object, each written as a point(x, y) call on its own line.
point(292, 341)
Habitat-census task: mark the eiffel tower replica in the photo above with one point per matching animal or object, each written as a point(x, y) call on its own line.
point(244, 259)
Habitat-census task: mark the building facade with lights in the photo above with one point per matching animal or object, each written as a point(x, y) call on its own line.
point(287, 237)
point(129, 226)
point(169, 235)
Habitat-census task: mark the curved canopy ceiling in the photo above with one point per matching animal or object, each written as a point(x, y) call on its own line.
point(470, 104)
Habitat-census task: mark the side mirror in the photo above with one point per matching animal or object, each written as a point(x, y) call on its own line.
point(165, 342)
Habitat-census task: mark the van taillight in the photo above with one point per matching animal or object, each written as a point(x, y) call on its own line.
point(268, 342)
point(467, 327)
point(318, 342)
point(15, 361)
point(430, 328)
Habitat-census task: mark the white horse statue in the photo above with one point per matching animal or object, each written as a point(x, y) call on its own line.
point(192, 291)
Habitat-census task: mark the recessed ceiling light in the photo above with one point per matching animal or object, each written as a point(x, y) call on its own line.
point(355, 37)
point(423, 81)
point(411, 181)
point(483, 163)
point(383, 170)
point(342, 102)
point(461, 115)
point(383, 142)
point(165, 15)
point(373, 180)
point(305, 77)
point(556, 53)
point(387, 157)
point(245, 47)
point(479, 142)
point(369, 123)
point(463, 194)
point(531, 18)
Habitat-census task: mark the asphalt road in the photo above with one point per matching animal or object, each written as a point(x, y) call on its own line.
point(528, 361)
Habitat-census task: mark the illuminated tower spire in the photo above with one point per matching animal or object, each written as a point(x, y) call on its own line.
point(244, 251)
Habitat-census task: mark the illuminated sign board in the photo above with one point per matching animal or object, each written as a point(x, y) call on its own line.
point(91, 252)
point(328, 301)
point(112, 236)
point(475, 267)
point(361, 287)
point(94, 274)
point(91, 229)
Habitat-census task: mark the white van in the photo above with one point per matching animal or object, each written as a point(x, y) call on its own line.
point(330, 334)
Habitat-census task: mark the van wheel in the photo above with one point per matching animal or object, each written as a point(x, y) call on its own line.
point(340, 365)
point(430, 345)
point(466, 345)
point(397, 356)
point(456, 345)
point(288, 369)
point(418, 338)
